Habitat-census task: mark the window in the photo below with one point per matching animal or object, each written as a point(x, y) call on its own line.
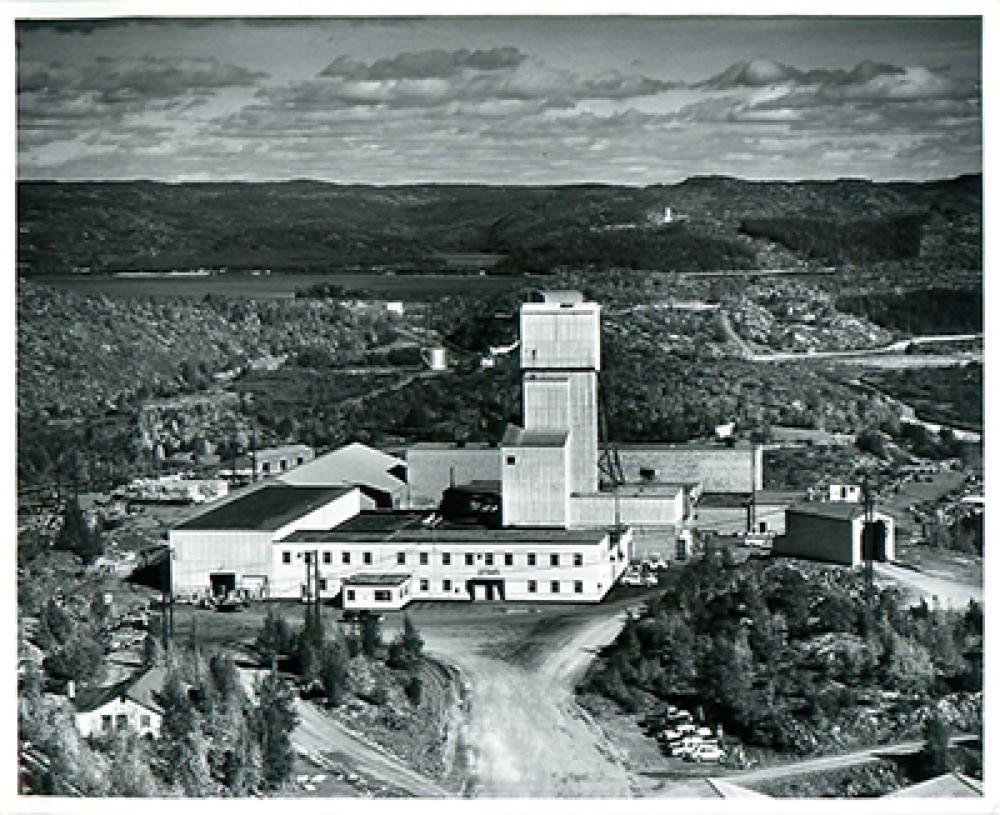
point(286, 557)
point(401, 558)
point(284, 464)
point(425, 585)
point(469, 558)
point(554, 560)
point(554, 587)
point(489, 558)
point(446, 585)
point(367, 558)
point(423, 558)
point(345, 557)
point(382, 596)
point(578, 586)
point(446, 558)
point(577, 559)
point(106, 723)
point(121, 721)
point(144, 720)
point(327, 558)
point(266, 467)
point(508, 559)
point(532, 587)
point(322, 584)
point(308, 557)
point(350, 594)
point(531, 558)
point(299, 460)
point(511, 460)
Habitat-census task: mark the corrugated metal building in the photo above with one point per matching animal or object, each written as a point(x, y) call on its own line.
point(833, 533)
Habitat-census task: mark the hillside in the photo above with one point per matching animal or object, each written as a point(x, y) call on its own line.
point(717, 223)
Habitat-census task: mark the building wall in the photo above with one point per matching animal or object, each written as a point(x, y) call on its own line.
point(536, 486)
point(583, 432)
point(429, 470)
point(197, 553)
point(557, 337)
point(599, 567)
point(718, 468)
point(829, 539)
point(546, 401)
point(92, 721)
point(598, 509)
point(734, 519)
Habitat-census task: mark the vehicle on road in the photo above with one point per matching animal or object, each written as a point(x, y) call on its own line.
point(684, 748)
point(706, 752)
point(630, 578)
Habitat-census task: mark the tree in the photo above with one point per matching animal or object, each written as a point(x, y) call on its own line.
point(937, 733)
point(181, 746)
point(405, 651)
point(371, 635)
point(77, 535)
point(130, 774)
point(333, 674)
point(274, 720)
point(82, 658)
point(274, 637)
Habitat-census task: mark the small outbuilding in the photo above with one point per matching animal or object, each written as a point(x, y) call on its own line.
point(836, 532)
point(389, 592)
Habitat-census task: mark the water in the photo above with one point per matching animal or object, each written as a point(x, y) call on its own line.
point(282, 286)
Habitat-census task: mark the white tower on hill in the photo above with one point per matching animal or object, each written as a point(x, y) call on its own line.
point(554, 455)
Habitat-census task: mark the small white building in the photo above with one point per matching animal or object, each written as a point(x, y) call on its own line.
point(845, 493)
point(389, 592)
point(834, 533)
point(128, 705)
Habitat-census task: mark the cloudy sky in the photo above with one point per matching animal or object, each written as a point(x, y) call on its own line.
point(500, 100)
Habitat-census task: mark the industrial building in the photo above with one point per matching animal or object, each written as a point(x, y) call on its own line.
point(538, 527)
point(834, 532)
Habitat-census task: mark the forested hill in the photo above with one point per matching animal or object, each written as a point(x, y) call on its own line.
point(716, 223)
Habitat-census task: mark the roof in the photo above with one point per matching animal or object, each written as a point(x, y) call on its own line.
point(452, 445)
point(562, 296)
point(834, 510)
point(268, 508)
point(479, 486)
point(516, 436)
point(355, 464)
point(376, 579)
point(139, 688)
point(699, 446)
point(407, 526)
point(949, 785)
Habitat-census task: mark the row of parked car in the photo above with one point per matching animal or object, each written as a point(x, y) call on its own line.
point(678, 735)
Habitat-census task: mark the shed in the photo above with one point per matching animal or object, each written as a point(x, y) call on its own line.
point(835, 533)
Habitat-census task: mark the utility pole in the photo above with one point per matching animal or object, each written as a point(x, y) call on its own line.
point(867, 545)
point(316, 587)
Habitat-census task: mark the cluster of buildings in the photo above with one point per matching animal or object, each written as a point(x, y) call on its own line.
point(547, 513)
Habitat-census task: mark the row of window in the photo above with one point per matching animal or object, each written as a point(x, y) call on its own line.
point(121, 721)
point(488, 558)
point(554, 586)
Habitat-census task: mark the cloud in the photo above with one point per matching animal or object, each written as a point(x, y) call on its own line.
point(435, 63)
point(435, 78)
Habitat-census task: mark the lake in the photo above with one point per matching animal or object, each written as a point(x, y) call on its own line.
point(283, 286)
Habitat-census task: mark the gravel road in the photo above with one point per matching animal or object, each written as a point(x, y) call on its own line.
point(525, 735)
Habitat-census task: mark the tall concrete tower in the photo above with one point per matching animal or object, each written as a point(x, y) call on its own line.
point(560, 358)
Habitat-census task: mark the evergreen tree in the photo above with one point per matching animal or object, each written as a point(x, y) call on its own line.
point(333, 674)
point(274, 720)
point(937, 732)
point(371, 635)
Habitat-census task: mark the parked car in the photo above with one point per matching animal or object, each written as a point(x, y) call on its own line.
point(706, 752)
point(684, 748)
point(678, 731)
point(631, 579)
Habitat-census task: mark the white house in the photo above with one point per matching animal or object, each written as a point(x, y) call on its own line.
point(128, 705)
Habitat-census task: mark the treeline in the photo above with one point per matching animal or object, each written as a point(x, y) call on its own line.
point(952, 395)
point(670, 249)
point(780, 657)
point(923, 311)
point(842, 242)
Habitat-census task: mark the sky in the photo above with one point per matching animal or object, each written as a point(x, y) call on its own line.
point(510, 100)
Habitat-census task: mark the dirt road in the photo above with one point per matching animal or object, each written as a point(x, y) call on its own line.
point(525, 735)
point(324, 739)
point(949, 593)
